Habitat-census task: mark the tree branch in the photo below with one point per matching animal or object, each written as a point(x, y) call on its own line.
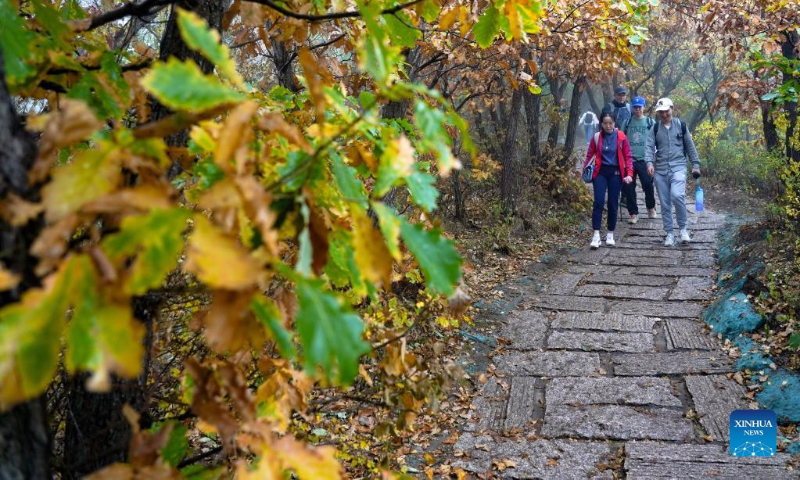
point(130, 8)
point(329, 16)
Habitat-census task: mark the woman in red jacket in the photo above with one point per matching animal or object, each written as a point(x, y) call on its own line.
point(611, 152)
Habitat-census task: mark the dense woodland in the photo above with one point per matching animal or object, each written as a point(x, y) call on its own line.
point(227, 226)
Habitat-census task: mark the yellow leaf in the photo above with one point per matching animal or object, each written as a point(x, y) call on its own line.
point(372, 257)
point(308, 463)
point(93, 174)
point(8, 280)
point(274, 122)
point(17, 211)
point(235, 134)
point(73, 122)
point(514, 20)
point(218, 259)
point(449, 18)
point(313, 79)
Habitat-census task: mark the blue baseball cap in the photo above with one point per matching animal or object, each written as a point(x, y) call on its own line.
point(638, 102)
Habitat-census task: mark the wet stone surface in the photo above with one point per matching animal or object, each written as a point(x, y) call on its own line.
point(602, 341)
point(607, 355)
point(603, 321)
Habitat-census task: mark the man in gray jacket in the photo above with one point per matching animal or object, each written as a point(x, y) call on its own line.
point(669, 143)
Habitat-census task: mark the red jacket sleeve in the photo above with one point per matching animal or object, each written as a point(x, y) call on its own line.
point(590, 152)
point(627, 156)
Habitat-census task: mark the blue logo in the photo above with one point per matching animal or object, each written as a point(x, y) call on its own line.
point(753, 433)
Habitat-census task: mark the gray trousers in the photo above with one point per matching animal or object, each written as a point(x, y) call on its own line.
point(671, 189)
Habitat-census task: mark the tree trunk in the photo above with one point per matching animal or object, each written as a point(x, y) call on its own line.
point(24, 431)
point(172, 45)
point(96, 433)
point(458, 196)
point(789, 50)
point(557, 89)
point(509, 187)
point(533, 104)
point(770, 130)
point(596, 107)
point(574, 113)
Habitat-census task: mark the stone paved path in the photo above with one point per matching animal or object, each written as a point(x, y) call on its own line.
point(608, 370)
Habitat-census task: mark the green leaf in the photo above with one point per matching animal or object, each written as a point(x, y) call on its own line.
point(201, 38)
point(430, 10)
point(376, 58)
point(329, 332)
point(401, 30)
point(430, 123)
point(341, 268)
point(102, 337)
point(347, 181)
point(487, 27)
point(19, 46)
point(156, 239)
point(437, 257)
point(177, 443)
point(30, 338)
point(50, 19)
point(423, 193)
point(207, 172)
point(92, 174)
point(267, 313)
point(794, 341)
point(182, 86)
point(91, 90)
point(390, 227)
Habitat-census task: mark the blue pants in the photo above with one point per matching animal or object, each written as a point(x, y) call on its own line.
point(629, 190)
point(589, 132)
point(608, 180)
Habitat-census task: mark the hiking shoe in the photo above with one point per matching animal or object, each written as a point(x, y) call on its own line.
point(610, 239)
point(651, 213)
point(670, 240)
point(634, 218)
point(685, 238)
point(595, 244)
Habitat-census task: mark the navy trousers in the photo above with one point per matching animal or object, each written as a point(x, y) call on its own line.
point(608, 181)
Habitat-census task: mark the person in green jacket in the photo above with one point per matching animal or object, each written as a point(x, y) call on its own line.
point(637, 129)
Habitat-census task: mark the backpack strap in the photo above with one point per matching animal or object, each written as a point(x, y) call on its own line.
point(650, 123)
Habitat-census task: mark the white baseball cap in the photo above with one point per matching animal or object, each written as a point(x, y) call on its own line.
point(663, 104)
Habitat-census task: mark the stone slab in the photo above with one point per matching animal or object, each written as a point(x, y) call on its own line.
point(613, 279)
point(603, 321)
point(651, 460)
point(715, 397)
point(581, 268)
point(522, 408)
point(652, 244)
point(667, 271)
point(548, 364)
point(617, 422)
point(630, 252)
point(692, 288)
point(541, 458)
point(671, 363)
point(588, 256)
point(640, 261)
point(700, 259)
point(687, 334)
point(489, 408)
point(654, 391)
point(657, 309)
point(526, 329)
point(626, 291)
point(565, 302)
point(564, 283)
point(602, 341)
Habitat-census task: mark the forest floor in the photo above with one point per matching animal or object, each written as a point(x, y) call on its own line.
point(559, 327)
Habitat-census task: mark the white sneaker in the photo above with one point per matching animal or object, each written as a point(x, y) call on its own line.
point(670, 240)
point(651, 213)
point(595, 244)
point(610, 239)
point(634, 218)
point(685, 238)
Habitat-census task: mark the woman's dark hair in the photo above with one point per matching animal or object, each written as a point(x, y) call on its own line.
point(608, 114)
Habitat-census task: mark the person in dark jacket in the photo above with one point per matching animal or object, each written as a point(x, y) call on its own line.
point(619, 107)
point(610, 151)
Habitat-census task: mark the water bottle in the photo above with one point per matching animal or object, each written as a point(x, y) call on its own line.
point(698, 199)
